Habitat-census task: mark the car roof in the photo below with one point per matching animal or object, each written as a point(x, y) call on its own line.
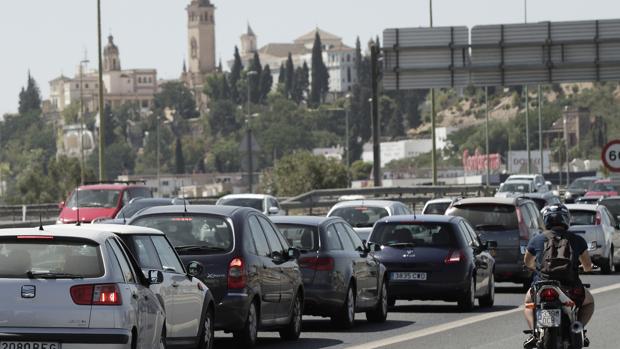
point(368, 203)
point(590, 178)
point(421, 218)
point(156, 200)
point(522, 176)
point(608, 198)
point(110, 186)
point(582, 207)
point(245, 196)
point(487, 200)
point(441, 201)
point(219, 210)
point(60, 230)
point(118, 229)
point(608, 180)
point(302, 220)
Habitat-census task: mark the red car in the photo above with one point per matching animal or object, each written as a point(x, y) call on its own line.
point(102, 200)
point(604, 188)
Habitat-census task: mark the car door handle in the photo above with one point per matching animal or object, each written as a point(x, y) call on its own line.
point(134, 295)
point(175, 285)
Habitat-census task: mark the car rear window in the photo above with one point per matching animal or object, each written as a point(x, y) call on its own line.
point(437, 208)
point(102, 198)
point(487, 216)
point(49, 258)
point(581, 184)
point(613, 205)
point(243, 202)
point(511, 187)
point(192, 233)
point(602, 187)
point(414, 235)
point(303, 237)
point(360, 216)
point(580, 217)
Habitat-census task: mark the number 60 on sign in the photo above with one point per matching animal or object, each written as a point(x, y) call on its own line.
point(611, 156)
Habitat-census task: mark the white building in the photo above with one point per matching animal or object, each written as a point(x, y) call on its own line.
point(335, 153)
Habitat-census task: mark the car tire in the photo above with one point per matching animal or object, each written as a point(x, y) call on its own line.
point(162, 338)
point(391, 302)
point(292, 331)
point(468, 299)
point(379, 314)
point(246, 337)
point(345, 317)
point(488, 299)
point(206, 339)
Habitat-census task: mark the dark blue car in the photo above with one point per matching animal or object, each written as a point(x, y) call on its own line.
point(432, 257)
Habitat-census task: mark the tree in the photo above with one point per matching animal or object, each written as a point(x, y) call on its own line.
point(266, 82)
point(255, 79)
point(224, 156)
point(30, 97)
point(282, 75)
point(361, 170)
point(179, 159)
point(223, 118)
point(392, 123)
point(176, 96)
point(234, 76)
point(217, 87)
point(320, 75)
point(301, 83)
point(290, 77)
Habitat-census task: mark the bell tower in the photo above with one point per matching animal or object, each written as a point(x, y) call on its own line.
point(201, 37)
point(111, 57)
point(248, 42)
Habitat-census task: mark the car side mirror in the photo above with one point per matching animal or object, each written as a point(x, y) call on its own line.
point(61, 205)
point(273, 210)
point(155, 277)
point(372, 247)
point(491, 245)
point(293, 253)
point(548, 184)
point(194, 269)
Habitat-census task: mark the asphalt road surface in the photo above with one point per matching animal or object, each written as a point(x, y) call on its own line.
point(441, 325)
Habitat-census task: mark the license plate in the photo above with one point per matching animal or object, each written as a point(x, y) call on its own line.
point(409, 276)
point(548, 318)
point(29, 345)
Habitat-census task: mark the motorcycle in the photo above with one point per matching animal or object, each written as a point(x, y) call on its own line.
point(555, 317)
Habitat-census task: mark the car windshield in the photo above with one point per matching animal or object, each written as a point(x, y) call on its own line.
point(487, 216)
point(414, 235)
point(303, 237)
point(437, 208)
point(104, 198)
point(192, 233)
point(580, 217)
point(49, 258)
point(581, 184)
point(613, 205)
point(360, 216)
point(511, 187)
point(243, 202)
point(131, 209)
point(603, 187)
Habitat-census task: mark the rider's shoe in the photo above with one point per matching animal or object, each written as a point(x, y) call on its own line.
point(530, 343)
point(586, 341)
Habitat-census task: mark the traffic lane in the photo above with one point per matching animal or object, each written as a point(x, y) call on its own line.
point(506, 332)
point(406, 317)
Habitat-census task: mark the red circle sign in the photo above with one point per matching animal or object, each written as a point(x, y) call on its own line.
point(611, 155)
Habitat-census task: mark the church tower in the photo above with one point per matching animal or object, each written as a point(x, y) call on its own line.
point(248, 42)
point(111, 57)
point(201, 37)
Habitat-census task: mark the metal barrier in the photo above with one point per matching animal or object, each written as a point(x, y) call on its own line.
point(26, 213)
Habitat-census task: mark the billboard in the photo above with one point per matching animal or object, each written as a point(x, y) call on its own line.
point(517, 161)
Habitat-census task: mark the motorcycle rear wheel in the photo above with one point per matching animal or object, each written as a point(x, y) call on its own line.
point(551, 339)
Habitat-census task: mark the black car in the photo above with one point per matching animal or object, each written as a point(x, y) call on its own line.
point(247, 264)
point(578, 188)
point(340, 276)
point(511, 222)
point(432, 257)
point(136, 205)
point(613, 205)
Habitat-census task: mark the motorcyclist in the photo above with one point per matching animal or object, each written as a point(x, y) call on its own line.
point(557, 220)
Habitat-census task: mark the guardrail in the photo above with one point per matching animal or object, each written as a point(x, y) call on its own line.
point(318, 201)
point(26, 213)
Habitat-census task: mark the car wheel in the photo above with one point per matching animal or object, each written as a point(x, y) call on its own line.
point(345, 318)
point(607, 267)
point(246, 337)
point(468, 299)
point(162, 339)
point(292, 331)
point(488, 299)
point(379, 314)
point(391, 302)
point(207, 333)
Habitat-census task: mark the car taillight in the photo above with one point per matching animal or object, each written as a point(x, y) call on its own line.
point(317, 263)
point(236, 274)
point(454, 256)
point(107, 294)
point(524, 231)
point(549, 295)
point(597, 221)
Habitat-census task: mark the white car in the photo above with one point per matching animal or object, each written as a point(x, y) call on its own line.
point(70, 288)
point(514, 188)
point(267, 204)
point(187, 300)
point(538, 182)
point(596, 225)
point(362, 214)
point(438, 206)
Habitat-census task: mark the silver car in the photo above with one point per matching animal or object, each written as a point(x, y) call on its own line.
point(70, 288)
point(362, 214)
point(267, 204)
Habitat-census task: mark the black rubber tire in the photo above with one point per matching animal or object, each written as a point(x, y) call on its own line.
point(550, 339)
point(488, 299)
point(207, 333)
point(467, 301)
point(380, 312)
point(292, 331)
point(246, 337)
point(391, 302)
point(345, 317)
point(607, 266)
point(162, 338)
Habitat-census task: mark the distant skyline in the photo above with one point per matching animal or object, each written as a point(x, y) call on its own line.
point(50, 37)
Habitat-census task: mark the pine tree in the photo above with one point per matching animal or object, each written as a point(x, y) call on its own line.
point(290, 77)
point(179, 159)
point(300, 86)
point(234, 76)
point(282, 75)
point(320, 76)
point(266, 82)
point(30, 97)
point(254, 80)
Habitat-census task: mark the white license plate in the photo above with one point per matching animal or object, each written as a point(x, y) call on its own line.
point(548, 318)
point(409, 276)
point(29, 345)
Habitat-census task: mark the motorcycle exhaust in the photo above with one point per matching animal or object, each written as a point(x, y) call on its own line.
point(576, 327)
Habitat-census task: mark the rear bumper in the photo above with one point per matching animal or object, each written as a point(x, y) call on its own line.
point(232, 311)
point(423, 290)
point(112, 337)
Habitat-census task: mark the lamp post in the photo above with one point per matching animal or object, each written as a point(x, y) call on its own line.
point(249, 134)
point(101, 107)
point(82, 163)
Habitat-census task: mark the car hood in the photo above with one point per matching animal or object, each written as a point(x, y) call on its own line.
point(602, 193)
point(87, 214)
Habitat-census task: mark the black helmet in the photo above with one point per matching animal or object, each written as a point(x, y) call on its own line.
point(556, 215)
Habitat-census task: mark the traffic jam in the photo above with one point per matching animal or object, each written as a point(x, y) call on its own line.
point(121, 269)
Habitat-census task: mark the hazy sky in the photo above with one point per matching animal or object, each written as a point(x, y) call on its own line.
point(49, 36)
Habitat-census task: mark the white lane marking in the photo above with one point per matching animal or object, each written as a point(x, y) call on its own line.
point(455, 324)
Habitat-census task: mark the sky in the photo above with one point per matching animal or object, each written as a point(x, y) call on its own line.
point(50, 37)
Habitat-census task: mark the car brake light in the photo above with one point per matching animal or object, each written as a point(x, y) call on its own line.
point(35, 237)
point(107, 294)
point(549, 295)
point(598, 219)
point(317, 263)
point(454, 257)
point(524, 231)
point(236, 274)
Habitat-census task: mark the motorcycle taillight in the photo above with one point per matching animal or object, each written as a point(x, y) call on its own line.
point(549, 295)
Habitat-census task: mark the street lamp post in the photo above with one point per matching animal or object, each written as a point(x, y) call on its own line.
point(346, 135)
point(101, 108)
point(82, 163)
point(249, 134)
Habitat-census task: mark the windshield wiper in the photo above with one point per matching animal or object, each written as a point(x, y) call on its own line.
point(199, 248)
point(51, 275)
point(402, 244)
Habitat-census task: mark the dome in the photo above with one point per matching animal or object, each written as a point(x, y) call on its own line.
point(110, 48)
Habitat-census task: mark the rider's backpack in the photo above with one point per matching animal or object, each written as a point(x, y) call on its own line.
point(557, 259)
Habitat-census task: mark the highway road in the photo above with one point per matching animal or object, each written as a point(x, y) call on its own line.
point(441, 325)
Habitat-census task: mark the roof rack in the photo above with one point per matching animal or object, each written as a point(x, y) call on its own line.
point(136, 181)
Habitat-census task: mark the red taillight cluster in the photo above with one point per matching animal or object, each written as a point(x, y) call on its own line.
point(524, 231)
point(236, 274)
point(454, 257)
point(549, 295)
point(106, 294)
point(317, 263)
point(598, 219)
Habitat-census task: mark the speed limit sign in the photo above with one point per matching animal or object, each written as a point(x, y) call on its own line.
point(611, 156)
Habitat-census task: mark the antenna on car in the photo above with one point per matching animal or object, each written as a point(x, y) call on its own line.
point(40, 222)
point(77, 202)
point(184, 203)
point(124, 219)
point(414, 217)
